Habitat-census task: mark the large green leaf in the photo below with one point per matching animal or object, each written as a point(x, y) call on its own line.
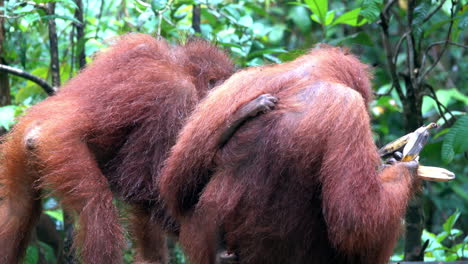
point(456, 140)
point(350, 18)
point(318, 8)
point(371, 9)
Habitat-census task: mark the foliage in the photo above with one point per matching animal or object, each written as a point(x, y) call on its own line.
point(258, 32)
point(449, 244)
point(455, 141)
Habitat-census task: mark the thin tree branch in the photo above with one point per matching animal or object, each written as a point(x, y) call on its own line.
point(196, 13)
point(387, 7)
point(410, 48)
point(20, 73)
point(433, 12)
point(388, 49)
point(101, 10)
point(386, 93)
point(440, 43)
point(398, 46)
point(159, 14)
point(440, 107)
point(72, 53)
point(445, 44)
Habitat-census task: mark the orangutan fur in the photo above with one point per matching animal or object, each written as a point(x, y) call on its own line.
point(299, 184)
point(106, 132)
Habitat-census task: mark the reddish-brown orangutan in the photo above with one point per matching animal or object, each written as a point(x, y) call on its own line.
point(107, 132)
point(300, 184)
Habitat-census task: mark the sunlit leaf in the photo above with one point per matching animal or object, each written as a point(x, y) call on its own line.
point(246, 21)
point(7, 116)
point(22, 10)
point(266, 51)
point(319, 8)
point(158, 4)
point(330, 17)
point(350, 18)
point(56, 214)
point(448, 225)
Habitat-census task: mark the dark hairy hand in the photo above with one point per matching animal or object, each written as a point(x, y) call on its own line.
point(262, 104)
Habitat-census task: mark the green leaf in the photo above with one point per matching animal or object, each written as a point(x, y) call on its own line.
point(277, 33)
point(7, 116)
point(361, 38)
point(330, 17)
point(300, 17)
point(144, 17)
point(246, 21)
point(420, 12)
point(448, 225)
point(460, 142)
point(456, 140)
point(158, 5)
point(265, 51)
point(440, 237)
point(371, 10)
point(460, 192)
point(32, 255)
point(463, 23)
point(30, 90)
point(25, 9)
point(319, 8)
point(48, 252)
point(272, 58)
point(447, 152)
point(66, 18)
point(350, 18)
point(56, 214)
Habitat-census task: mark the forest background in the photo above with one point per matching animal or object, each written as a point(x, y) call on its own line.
point(417, 50)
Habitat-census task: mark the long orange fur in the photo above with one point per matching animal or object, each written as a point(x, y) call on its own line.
point(299, 184)
point(105, 133)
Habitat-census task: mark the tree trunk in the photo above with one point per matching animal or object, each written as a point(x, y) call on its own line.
point(412, 107)
point(414, 215)
point(5, 97)
point(80, 36)
point(53, 42)
point(196, 13)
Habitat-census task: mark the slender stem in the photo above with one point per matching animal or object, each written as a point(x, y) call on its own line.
point(445, 43)
point(433, 12)
point(39, 81)
point(160, 16)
